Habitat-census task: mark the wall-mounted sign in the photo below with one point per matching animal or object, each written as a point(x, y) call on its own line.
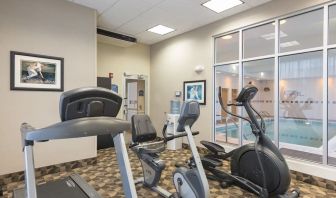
point(115, 88)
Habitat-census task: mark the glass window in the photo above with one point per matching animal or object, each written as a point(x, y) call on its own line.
point(226, 126)
point(300, 108)
point(332, 107)
point(332, 24)
point(259, 41)
point(301, 31)
point(227, 48)
point(260, 73)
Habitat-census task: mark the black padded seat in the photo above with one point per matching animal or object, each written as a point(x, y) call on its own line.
point(142, 129)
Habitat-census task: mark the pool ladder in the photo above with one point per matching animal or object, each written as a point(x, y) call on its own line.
point(265, 114)
point(228, 119)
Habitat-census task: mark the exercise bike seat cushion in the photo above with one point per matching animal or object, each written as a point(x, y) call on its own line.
point(153, 148)
point(213, 147)
point(208, 162)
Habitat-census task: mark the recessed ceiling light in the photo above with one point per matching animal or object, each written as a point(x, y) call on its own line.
point(289, 44)
point(271, 36)
point(227, 37)
point(221, 5)
point(161, 29)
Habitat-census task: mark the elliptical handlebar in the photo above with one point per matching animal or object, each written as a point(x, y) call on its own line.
point(237, 104)
point(228, 112)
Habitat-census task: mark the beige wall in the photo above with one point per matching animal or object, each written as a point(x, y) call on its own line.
point(117, 60)
point(55, 28)
point(173, 60)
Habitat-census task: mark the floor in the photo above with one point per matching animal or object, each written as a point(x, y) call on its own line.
point(105, 178)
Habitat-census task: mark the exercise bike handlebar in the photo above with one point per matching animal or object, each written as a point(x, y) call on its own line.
point(165, 138)
point(171, 137)
point(168, 138)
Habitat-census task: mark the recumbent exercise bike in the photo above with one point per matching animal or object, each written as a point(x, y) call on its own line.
point(265, 172)
point(189, 182)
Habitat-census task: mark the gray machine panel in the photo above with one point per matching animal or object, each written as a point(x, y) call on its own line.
point(190, 112)
point(72, 186)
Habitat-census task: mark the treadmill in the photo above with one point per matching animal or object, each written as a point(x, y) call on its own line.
point(84, 112)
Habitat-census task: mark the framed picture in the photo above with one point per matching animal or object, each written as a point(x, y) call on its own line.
point(33, 72)
point(195, 90)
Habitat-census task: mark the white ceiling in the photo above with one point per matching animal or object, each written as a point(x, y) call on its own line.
point(134, 17)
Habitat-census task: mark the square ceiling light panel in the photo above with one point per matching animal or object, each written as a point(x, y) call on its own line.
point(221, 5)
point(161, 29)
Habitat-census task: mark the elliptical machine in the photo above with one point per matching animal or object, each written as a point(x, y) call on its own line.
point(265, 172)
point(189, 182)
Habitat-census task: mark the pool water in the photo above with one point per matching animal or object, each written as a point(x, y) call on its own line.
point(292, 131)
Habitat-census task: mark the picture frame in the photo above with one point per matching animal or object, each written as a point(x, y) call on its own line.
point(195, 90)
point(35, 72)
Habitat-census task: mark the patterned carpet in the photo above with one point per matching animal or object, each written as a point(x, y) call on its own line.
point(105, 178)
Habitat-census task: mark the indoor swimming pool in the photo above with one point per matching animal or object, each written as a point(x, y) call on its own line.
point(291, 131)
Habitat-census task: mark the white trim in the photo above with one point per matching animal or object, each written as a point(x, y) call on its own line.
point(300, 51)
point(276, 85)
point(240, 84)
point(226, 63)
point(213, 87)
point(331, 46)
point(226, 33)
point(325, 86)
point(312, 168)
point(258, 58)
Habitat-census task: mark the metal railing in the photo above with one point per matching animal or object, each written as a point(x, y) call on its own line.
point(265, 114)
point(230, 119)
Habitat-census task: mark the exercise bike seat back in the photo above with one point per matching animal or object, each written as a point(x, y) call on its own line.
point(144, 131)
